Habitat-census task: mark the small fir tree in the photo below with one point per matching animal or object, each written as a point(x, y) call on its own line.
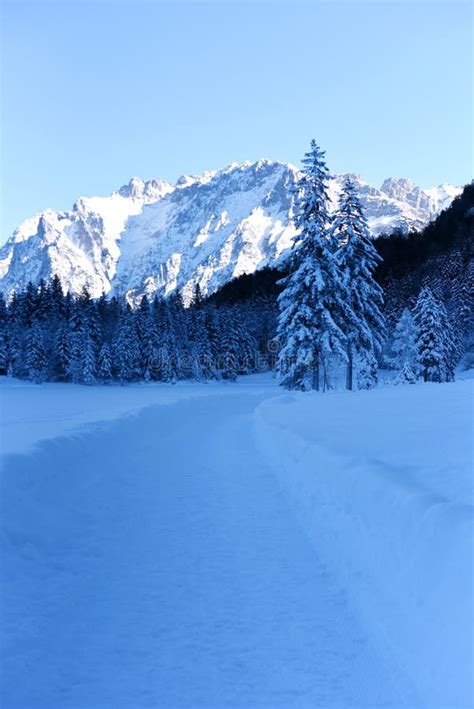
point(406, 375)
point(404, 340)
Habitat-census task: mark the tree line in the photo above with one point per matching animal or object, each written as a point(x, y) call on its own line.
point(46, 335)
point(326, 313)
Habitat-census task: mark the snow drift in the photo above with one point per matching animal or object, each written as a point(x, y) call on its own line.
point(382, 484)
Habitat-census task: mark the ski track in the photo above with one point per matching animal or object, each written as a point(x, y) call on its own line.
point(154, 562)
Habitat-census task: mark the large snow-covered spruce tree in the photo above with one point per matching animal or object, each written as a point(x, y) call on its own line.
point(364, 323)
point(312, 302)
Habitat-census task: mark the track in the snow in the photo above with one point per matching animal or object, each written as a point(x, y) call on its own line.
point(155, 563)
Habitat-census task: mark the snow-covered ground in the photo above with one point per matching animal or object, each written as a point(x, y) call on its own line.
point(235, 545)
point(382, 483)
point(31, 413)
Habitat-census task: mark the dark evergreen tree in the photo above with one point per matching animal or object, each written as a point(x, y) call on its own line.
point(61, 359)
point(3, 309)
point(150, 348)
point(126, 355)
point(89, 360)
point(203, 361)
point(104, 365)
point(36, 363)
point(4, 354)
point(75, 341)
point(463, 303)
point(247, 348)
point(16, 350)
point(229, 349)
point(142, 323)
point(57, 301)
point(28, 303)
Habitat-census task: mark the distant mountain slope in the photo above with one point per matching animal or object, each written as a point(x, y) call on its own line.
point(153, 236)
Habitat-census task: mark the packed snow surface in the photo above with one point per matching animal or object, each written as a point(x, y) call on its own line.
point(235, 545)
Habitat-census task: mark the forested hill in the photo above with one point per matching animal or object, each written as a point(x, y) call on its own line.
point(440, 256)
point(453, 229)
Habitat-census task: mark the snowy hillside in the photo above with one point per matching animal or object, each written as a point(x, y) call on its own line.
point(153, 236)
point(227, 546)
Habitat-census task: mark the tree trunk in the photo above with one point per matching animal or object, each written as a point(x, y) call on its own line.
point(315, 383)
point(350, 368)
point(325, 376)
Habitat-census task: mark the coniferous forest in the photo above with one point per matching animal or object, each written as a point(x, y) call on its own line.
point(49, 336)
point(401, 302)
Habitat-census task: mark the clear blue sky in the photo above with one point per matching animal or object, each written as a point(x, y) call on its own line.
point(93, 93)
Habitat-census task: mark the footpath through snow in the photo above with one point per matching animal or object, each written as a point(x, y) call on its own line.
point(237, 547)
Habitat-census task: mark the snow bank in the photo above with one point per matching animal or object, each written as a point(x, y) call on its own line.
point(382, 484)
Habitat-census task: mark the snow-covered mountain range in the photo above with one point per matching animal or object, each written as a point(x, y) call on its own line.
point(154, 236)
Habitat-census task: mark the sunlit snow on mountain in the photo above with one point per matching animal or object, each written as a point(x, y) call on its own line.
point(154, 236)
